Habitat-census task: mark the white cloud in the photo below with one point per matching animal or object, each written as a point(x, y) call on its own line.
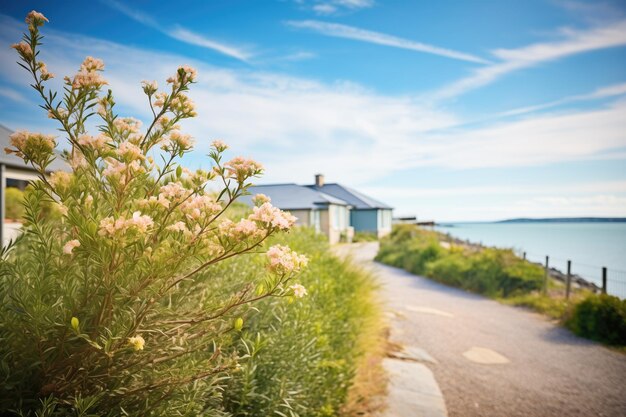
point(298, 127)
point(493, 202)
point(571, 190)
point(350, 32)
point(324, 8)
point(574, 42)
point(600, 93)
point(180, 33)
point(330, 7)
point(13, 95)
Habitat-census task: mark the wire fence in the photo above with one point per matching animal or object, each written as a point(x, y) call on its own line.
point(596, 278)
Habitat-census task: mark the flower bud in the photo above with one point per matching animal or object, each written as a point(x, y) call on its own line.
point(74, 322)
point(238, 324)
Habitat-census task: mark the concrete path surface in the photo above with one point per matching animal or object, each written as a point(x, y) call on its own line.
point(495, 360)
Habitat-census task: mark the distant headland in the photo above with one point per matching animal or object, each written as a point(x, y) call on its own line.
point(567, 220)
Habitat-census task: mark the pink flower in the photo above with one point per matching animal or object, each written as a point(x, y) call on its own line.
point(298, 290)
point(181, 140)
point(177, 227)
point(149, 87)
point(60, 179)
point(219, 145)
point(43, 71)
point(88, 80)
point(91, 64)
point(96, 142)
point(173, 191)
point(23, 49)
point(283, 260)
point(260, 199)
point(69, 246)
point(129, 150)
point(272, 217)
point(127, 125)
point(35, 19)
point(241, 168)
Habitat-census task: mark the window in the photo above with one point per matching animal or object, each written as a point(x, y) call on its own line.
point(315, 220)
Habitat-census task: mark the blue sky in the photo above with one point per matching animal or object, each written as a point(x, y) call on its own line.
point(446, 110)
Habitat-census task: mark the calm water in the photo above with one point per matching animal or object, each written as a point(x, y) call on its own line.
point(589, 246)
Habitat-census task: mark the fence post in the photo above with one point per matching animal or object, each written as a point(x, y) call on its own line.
point(545, 277)
point(604, 280)
point(569, 279)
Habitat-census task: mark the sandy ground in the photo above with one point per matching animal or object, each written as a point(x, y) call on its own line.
point(497, 360)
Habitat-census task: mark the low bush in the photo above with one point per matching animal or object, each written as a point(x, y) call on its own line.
point(13, 203)
point(493, 272)
point(600, 317)
point(300, 356)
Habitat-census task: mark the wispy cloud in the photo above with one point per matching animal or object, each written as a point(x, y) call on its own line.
point(13, 95)
point(349, 32)
point(331, 7)
point(600, 93)
point(573, 42)
point(180, 33)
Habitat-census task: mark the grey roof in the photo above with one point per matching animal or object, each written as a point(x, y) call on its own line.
point(354, 198)
point(16, 162)
point(293, 197)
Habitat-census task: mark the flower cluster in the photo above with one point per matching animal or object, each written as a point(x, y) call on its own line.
point(272, 216)
point(122, 171)
point(282, 260)
point(260, 199)
point(177, 142)
point(35, 19)
point(200, 207)
point(149, 87)
point(137, 342)
point(219, 145)
point(88, 76)
point(181, 104)
point(97, 143)
point(129, 151)
point(184, 75)
point(241, 168)
point(138, 222)
point(298, 290)
point(69, 246)
point(23, 49)
point(32, 147)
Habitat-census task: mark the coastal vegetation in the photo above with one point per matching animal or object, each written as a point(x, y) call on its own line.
point(499, 273)
point(142, 288)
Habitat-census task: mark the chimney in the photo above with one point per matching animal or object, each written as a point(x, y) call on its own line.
point(319, 180)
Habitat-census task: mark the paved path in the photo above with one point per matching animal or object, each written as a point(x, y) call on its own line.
point(497, 360)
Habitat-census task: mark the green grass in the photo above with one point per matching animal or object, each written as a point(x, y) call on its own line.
point(364, 237)
point(308, 356)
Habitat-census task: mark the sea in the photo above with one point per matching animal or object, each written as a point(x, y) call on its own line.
point(589, 245)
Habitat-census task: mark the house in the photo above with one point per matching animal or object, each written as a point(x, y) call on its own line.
point(334, 209)
point(366, 215)
point(15, 173)
point(313, 208)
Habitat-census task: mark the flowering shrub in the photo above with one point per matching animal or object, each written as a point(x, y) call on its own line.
point(106, 306)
